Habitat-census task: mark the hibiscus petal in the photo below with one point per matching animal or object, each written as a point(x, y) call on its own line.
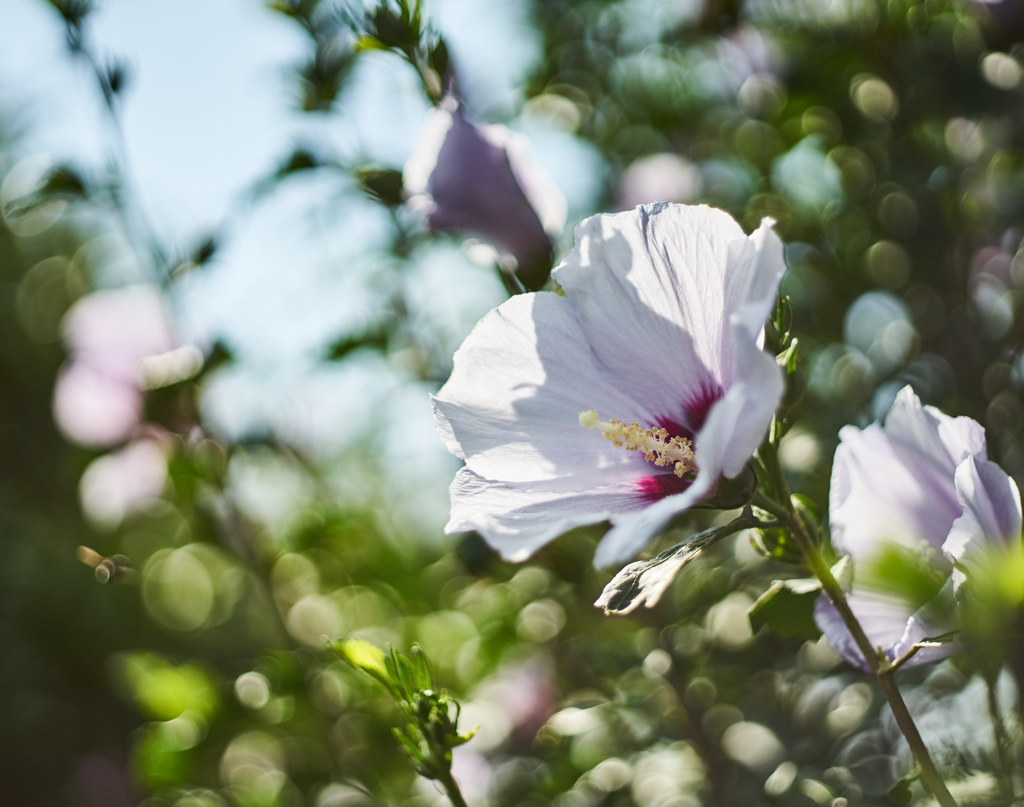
point(519, 522)
point(991, 517)
point(883, 617)
point(511, 407)
point(893, 484)
point(935, 619)
point(736, 424)
point(648, 287)
point(632, 530)
point(945, 440)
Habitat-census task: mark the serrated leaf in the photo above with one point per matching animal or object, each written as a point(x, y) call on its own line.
point(645, 581)
point(787, 608)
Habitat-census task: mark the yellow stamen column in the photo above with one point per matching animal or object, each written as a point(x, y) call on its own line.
point(656, 445)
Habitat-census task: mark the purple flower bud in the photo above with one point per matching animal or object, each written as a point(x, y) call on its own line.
point(483, 182)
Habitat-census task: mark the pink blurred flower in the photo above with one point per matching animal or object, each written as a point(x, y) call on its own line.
point(122, 481)
point(110, 335)
point(659, 178)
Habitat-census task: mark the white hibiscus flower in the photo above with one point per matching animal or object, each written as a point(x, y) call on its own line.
point(903, 495)
point(656, 343)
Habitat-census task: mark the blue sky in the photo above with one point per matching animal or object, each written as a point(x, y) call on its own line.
point(208, 110)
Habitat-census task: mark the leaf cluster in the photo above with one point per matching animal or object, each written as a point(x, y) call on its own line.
point(431, 730)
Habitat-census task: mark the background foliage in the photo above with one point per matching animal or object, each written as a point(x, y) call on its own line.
point(885, 138)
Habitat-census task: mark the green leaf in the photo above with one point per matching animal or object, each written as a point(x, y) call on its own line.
point(787, 608)
point(368, 42)
point(366, 657)
point(900, 793)
point(382, 184)
point(776, 543)
point(64, 180)
point(438, 57)
point(645, 581)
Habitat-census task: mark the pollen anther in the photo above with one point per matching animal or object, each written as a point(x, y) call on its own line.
point(655, 443)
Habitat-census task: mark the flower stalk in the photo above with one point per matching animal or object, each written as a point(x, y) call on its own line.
point(1004, 745)
point(882, 668)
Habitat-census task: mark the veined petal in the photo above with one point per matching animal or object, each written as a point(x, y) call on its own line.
point(518, 522)
point(736, 424)
point(511, 407)
point(752, 277)
point(659, 274)
point(991, 514)
point(661, 324)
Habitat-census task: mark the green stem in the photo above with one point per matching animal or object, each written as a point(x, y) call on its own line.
point(451, 788)
point(1002, 737)
point(878, 664)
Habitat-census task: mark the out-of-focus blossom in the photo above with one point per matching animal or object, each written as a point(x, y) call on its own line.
point(659, 178)
point(897, 492)
point(514, 702)
point(118, 483)
point(121, 342)
point(482, 181)
point(660, 332)
point(991, 517)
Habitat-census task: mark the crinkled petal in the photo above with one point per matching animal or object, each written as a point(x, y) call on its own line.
point(518, 522)
point(991, 514)
point(650, 289)
point(662, 324)
point(511, 407)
